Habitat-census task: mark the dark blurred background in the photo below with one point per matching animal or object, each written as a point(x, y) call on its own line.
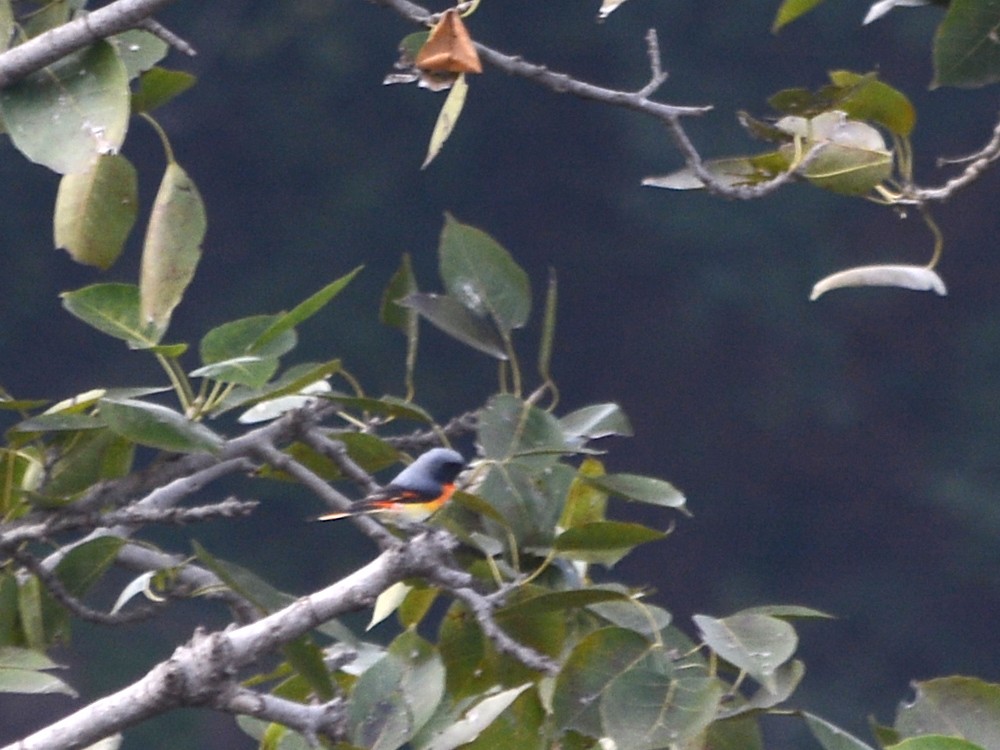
point(842, 454)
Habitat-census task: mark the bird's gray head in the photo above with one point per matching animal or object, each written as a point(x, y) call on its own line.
point(430, 471)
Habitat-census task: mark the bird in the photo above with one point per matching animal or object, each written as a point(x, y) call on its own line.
point(413, 494)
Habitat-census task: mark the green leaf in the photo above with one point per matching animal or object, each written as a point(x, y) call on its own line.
point(307, 660)
point(172, 247)
point(87, 459)
point(632, 613)
point(246, 370)
point(864, 97)
point(158, 86)
point(452, 317)
point(646, 709)
point(511, 428)
point(112, 309)
point(139, 50)
point(786, 679)
point(787, 612)
point(21, 672)
point(756, 644)
point(59, 422)
point(29, 609)
point(935, 742)
point(8, 610)
point(790, 10)
point(284, 324)
point(830, 736)
point(447, 118)
point(548, 328)
point(476, 719)
point(966, 52)
point(560, 601)
point(71, 111)
point(596, 421)
point(478, 272)
point(640, 489)
point(731, 172)
point(392, 313)
point(604, 542)
point(158, 427)
point(387, 406)
point(86, 563)
point(95, 210)
point(244, 582)
point(397, 695)
point(964, 707)
point(240, 337)
point(6, 24)
point(588, 673)
point(290, 383)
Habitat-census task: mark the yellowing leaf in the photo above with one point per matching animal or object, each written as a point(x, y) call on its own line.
point(172, 248)
point(95, 210)
point(447, 118)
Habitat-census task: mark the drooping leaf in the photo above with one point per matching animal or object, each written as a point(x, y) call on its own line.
point(95, 210)
point(478, 272)
point(447, 118)
point(966, 52)
point(307, 660)
point(29, 611)
point(286, 322)
point(388, 602)
point(172, 247)
point(158, 427)
point(157, 86)
point(548, 328)
point(402, 284)
point(791, 10)
point(640, 489)
point(451, 316)
point(71, 111)
point(756, 644)
point(919, 278)
point(964, 707)
point(112, 309)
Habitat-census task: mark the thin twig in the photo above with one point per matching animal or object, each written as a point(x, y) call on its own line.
point(164, 34)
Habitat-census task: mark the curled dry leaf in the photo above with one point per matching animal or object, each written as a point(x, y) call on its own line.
point(920, 278)
point(449, 48)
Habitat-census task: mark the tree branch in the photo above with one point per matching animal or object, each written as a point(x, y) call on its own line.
point(45, 49)
point(202, 672)
point(977, 164)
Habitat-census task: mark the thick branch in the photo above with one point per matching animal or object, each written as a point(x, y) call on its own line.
point(53, 45)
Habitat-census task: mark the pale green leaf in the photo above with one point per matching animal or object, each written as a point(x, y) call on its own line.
point(756, 644)
point(483, 276)
point(832, 737)
point(475, 719)
point(172, 247)
point(965, 707)
point(139, 50)
point(791, 10)
point(112, 309)
point(71, 111)
point(158, 86)
point(158, 427)
point(95, 210)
